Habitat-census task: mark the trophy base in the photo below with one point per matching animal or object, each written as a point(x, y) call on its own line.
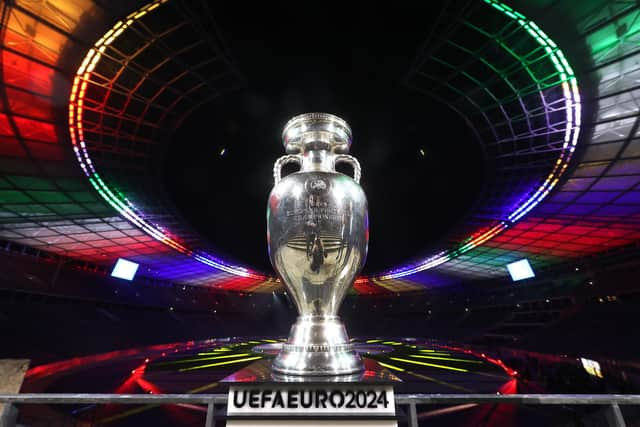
point(318, 346)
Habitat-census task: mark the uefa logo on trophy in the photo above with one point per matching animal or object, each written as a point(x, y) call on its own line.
point(317, 233)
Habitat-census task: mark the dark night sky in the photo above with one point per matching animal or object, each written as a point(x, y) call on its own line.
point(348, 62)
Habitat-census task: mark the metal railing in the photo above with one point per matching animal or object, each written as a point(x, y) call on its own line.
point(611, 401)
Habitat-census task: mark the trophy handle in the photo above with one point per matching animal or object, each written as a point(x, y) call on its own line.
point(357, 172)
point(277, 166)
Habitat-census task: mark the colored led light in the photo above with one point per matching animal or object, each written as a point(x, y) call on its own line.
point(450, 359)
point(128, 210)
point(573, 112)
point(395, 368)
point(431, 365)
point(199, 359)
point(496, 362)
point(112, 196)
point(227, 362)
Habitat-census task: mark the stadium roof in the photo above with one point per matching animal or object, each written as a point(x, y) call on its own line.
point(88, 93)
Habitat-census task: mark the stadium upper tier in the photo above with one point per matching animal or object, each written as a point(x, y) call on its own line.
point(90, 89)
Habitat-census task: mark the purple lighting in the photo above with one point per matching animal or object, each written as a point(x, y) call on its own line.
point(573, 119)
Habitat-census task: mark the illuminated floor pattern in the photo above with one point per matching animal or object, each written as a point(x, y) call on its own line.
point(199, 367)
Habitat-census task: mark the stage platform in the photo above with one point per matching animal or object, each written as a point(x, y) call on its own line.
point(210, 366)
point(412, 365)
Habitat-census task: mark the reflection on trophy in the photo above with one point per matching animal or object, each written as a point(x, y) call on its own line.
point(317, 232)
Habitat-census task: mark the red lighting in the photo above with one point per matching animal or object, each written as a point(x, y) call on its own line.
point(497, 362)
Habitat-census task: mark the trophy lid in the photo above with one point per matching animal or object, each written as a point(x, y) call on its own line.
point(316, 131)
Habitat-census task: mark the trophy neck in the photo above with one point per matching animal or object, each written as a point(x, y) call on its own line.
point(318, 161)
point(316, 131)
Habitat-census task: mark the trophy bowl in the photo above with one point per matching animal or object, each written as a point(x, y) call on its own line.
point(317, 234)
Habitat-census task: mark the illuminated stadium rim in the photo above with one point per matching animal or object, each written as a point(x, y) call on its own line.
point(119, 201)
point(115, 198)
point(572, 131)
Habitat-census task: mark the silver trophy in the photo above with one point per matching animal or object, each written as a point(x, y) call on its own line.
point(318, 233)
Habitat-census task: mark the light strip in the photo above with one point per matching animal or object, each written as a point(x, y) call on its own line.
point(113, 197)
point(573, 111)
point(450, 359)
point(215, 351)
point(200, 359)
point(484, 356)
point(432, 365)
point(395, 368)
point(228, 362)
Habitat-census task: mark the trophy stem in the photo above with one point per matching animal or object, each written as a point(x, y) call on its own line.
point(318, 346)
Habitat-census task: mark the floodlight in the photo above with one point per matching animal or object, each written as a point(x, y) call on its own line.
point(520, 270)
point(125, 269)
